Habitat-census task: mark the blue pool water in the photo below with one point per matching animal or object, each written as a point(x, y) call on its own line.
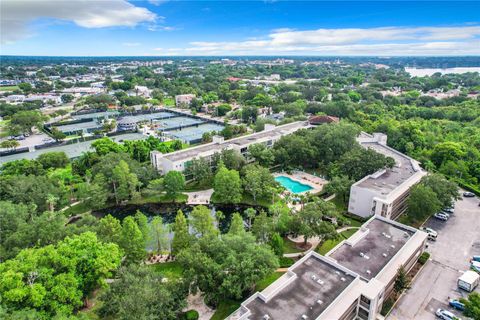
point(292, 185)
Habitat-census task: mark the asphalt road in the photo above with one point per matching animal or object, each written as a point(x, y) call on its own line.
point(458, 239)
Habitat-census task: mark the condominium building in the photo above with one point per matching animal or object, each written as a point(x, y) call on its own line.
point(351, 282)
point(386, 191)
point(184, 99)
point(180, 160)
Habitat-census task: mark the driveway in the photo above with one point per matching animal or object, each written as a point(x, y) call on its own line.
point(458, 239)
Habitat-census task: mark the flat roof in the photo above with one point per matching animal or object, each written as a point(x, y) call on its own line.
point(390, 179)
point(317, 284)
point(192, 152)
point(369, 250)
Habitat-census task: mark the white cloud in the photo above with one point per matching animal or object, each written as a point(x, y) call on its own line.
point(17, 14)
point(352, 41)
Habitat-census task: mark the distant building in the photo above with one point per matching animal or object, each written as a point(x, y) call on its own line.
point(184, 99)
point(127, 124)
point(15, 98)
point(142, 91)
point(180, 160)
point(352, 281)
point(317, 120)
point(386, 191)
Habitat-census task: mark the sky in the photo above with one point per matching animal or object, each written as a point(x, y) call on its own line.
point(230, 28)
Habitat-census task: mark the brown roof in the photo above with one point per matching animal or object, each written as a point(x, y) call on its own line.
point(322, 119)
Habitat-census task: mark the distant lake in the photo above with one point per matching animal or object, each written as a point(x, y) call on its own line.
point(422, 72)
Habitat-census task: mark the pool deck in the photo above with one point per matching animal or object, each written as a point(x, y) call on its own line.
point(315, 182)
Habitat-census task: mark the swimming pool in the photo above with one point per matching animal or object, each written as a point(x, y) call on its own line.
point(292, 185)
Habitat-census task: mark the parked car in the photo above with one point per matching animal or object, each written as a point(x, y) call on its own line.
point(448, 210)
point(476, 258)
point(432, 234)
point(446, 315)
point(468, 194)
point(475, 266)
point(455, 304)
point(441, 216)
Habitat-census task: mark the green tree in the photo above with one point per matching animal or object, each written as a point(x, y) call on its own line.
point(227, 186)
point(422, 202)
point(250, 213)
point(310, 222)
point(54, 280)
point(124, 182)
point(53, 160)
point(340, 186)
point(106, 145)
point(401, 281)
point(199, 170)
point(181, 237)
point(447, 191)
point(472, 305)
point(262, 227)
point(24, 121)
point(109, 229)
point(263, 155)
point(281, 217)
point(132, 241)
point(202, 222)
point(57, 134)
point(140, 293)
point(236, 226)
point(158, 235)
point(173, 182)
point(276, 243)
point(142, 222)
point(66, 98)
point(205, 263)
point(258, 181)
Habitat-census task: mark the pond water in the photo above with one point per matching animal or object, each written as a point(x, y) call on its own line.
point(168, 211)
point(422, 72)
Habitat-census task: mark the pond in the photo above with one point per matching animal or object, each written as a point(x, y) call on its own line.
point(168, 211)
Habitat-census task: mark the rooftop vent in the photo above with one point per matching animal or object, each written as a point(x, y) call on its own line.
point(343, 279)
point(362, 254)
point(392, 246)
point(314, 277)
point(406, 235)
point(320, 282)
point(266, 317)
point(384, 254)
point(369, 272)
point(337, 272)
point(304, 317)
point(366, 257)
point(319, 301)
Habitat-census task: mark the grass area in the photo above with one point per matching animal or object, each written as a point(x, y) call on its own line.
point(169, 102)
point(338, 202)
point(289, 246)
point(76, 209)
point(330, 244)
point(225, 308)
point(262, 284)
point(195, 186)
point(248, 200)
point(159, 198)
point(8, 88)
point(171, 270)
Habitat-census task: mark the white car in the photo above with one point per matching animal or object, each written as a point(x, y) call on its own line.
point(450, 210)
point(432, 234)
point(441, 216)
point(446, 315)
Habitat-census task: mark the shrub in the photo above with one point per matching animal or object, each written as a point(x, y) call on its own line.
point(424, 258)
point(387, 306)
point(285, 262)
point(191, 315)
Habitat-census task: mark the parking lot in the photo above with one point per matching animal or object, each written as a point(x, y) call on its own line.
point(458, 239)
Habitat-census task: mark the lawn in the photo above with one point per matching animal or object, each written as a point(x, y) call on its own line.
point(330, 244)
point(76, 209)
point(289, 246)
point(8, 88)
point(172, 270)
point(225, 308)
point(169, 102)
point(262, 284)
point(159, 198)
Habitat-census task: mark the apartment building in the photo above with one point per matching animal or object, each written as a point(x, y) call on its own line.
point(180, 160)
point(350, 282)
point(184, 99)
point(386, 191)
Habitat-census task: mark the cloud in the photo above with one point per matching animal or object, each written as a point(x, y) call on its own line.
point(18, 14)
point(352, 41)
point(157, 2)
